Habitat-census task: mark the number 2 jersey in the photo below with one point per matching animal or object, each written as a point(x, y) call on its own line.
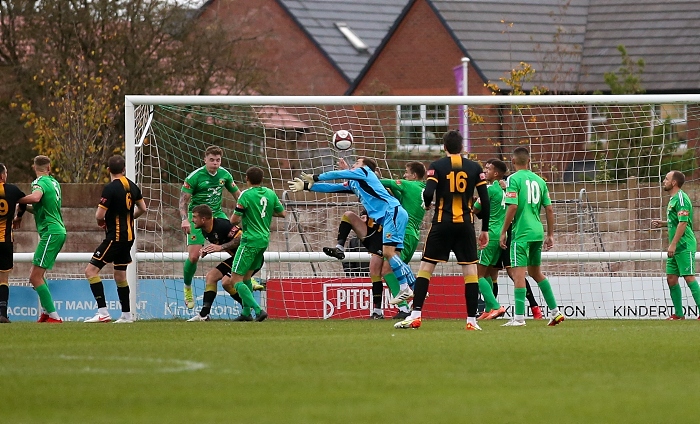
point(453, 180)
point(47, 211)
point(119, 198)
point(680, 209)
point(256, 207)
point(529, 191)
point(9, 195)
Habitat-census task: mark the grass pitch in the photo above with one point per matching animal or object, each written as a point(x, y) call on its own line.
point(349, 372)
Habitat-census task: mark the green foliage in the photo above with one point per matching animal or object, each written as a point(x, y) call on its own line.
point(628, 79)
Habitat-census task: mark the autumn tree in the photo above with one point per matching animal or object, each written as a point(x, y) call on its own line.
point(72, 62)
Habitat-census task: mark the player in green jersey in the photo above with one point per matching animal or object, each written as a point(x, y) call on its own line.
point(682, 243)
point(46, 199)
point(204, 186)
point(254, 211)
point(526, 195)
point(492, 258)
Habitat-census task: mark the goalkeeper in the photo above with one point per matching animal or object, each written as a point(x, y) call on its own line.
point(408, 191)
point(204, 186)
point(224, 237)
point(381, 207)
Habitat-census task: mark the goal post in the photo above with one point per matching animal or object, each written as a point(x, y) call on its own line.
point(603, 157)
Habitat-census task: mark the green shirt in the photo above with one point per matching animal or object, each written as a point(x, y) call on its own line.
point(47, 211)
point(497, 200)
point(529, 191)
point(256, 206)
point(410, 194)
point(680, 209)
point(208, 189)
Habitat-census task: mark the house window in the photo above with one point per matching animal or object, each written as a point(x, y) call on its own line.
point(597, 126)
point(675, 116)
point(422, 125)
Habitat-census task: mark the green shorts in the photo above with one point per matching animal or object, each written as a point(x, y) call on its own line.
point(525, 253)
point(490, 255)
point(47, 250)
point(681, 264)
point(410, 244)
point(247, 259)
point(195, 236)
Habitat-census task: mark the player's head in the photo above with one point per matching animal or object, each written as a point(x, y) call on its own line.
point(201, 215)
point(254, 175)
point(452, 141)
point(495, 170)
point(414, 171)
point(673, 179)
point(368, 162)
point(42, 164)
point(116, 164)
point(3, 172)
point(212, 158)
point(521, 156)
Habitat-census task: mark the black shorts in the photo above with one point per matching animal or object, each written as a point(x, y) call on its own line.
point(225, 267)
point(447, 237)
point(6, 262)
point(504, 260)
point(113, 252)
point(373, 241)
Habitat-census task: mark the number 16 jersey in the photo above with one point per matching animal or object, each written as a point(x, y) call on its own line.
point(529, 191)
point(456, 178)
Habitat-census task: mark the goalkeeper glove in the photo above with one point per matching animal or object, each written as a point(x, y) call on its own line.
point(297, 185)
point(310, 179)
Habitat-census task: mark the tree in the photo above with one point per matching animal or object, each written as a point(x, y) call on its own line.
point(73, 58)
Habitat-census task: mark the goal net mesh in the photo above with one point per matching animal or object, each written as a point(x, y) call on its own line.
point(603, 165)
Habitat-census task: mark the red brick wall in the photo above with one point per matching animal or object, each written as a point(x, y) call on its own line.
point(293, 64)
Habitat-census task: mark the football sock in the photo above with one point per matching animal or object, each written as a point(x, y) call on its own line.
point(487, 293)
point(398, 268)
point(249, 284)
point(123, 293)
point(207, 300)
point(45, 298)
point(546, 290)
point(4, 297)
point(377, 289)
point(98, 291)
point(393, 283)
point(247, 297)
point(695, 291)
point(471, 294)
point(519, 295)
point(493, 284)
point(677, 299)
point(188, 272)
point(422, 284)
point(343, 231)
point(530, 296)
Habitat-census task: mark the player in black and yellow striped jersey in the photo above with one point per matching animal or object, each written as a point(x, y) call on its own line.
point(452, 181)
point(121, 203)
point(9, 197)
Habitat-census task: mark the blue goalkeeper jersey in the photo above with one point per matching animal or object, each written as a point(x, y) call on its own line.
point(366, 186)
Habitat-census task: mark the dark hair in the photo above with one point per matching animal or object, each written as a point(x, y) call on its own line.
point(116, 164)
point(417, 168)
point(204, 211)
point(214, 151)
point(254, 175)
point(2, 168)
point(521, 155)
point(371, 163)
point(499, 165)
point(42, 161)
point(678, 177)
point(453, 142)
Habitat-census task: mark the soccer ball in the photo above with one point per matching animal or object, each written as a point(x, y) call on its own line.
point(342, 140)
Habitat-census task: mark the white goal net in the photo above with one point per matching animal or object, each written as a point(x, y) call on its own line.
point(603, 158)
